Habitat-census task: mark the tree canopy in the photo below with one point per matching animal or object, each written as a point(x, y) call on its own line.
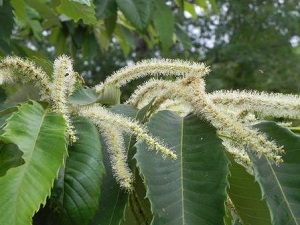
point(253, 45)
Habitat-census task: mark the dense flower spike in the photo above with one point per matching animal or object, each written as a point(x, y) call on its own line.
point(98, 115)
point(118, 156)
point(230, 112)
point(245, 137)
point(15, 69)
point(274, 104)
point(191, 88)
point(154, 67)
point(63, 82)
point(146, 92)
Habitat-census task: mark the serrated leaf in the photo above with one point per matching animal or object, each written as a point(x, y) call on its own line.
point(280, 184)
point(83, 96)
point(246, 197)
point(83, 174)
point(50, 19)
point(163, 20)
point(138, 12)
point(191, 189)
point(6, 21)
point(77, 11)
point(40, 135)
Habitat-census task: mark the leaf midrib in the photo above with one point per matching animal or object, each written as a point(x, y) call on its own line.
point(181, 170)
point(26, 165)
point(281, 191)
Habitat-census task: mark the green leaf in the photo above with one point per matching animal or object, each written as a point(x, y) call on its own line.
point(245, 195)
point(77, 11)
point(10, 157)
point(83, 96)
point(101, 36)
point(50, 19)
point(110, 24)
point(138, 12)
point(6, 21)
point(202, 4)
point(105, 8)
point(19, 9)
point(183, 37)
point(125, 38)
point(280, 184)
point(83, 174)
point(113, 199)
point(83, 2)
point(179, 3)
point(40, 135)
point(214, 5)
point(190, 8)
point(191, 189)
point(163, 20)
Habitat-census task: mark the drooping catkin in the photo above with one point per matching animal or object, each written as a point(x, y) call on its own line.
point(98, 114)
point(152, 67)
point(118, 157)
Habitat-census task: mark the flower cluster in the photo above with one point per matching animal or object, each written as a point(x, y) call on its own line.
point(225, 110)
point(230, 112)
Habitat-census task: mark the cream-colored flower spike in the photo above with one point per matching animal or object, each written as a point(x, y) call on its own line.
point(191, 88)
point(18, 70)
point(98, 115)
point(118, 156)
point(245, 137)
point(63, 84)
point(273, 104)
point(152, 67)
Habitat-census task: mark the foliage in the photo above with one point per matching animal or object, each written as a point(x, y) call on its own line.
point(248, 44)
point(74, 155)
point(96, 22)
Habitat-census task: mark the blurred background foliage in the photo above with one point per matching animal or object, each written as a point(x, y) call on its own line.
point(248, 44)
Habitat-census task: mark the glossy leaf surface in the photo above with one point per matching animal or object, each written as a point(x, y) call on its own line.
point(191, 189)
point(83, 174)
point(40, 135)
point(246, 196)
point(280, 183)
